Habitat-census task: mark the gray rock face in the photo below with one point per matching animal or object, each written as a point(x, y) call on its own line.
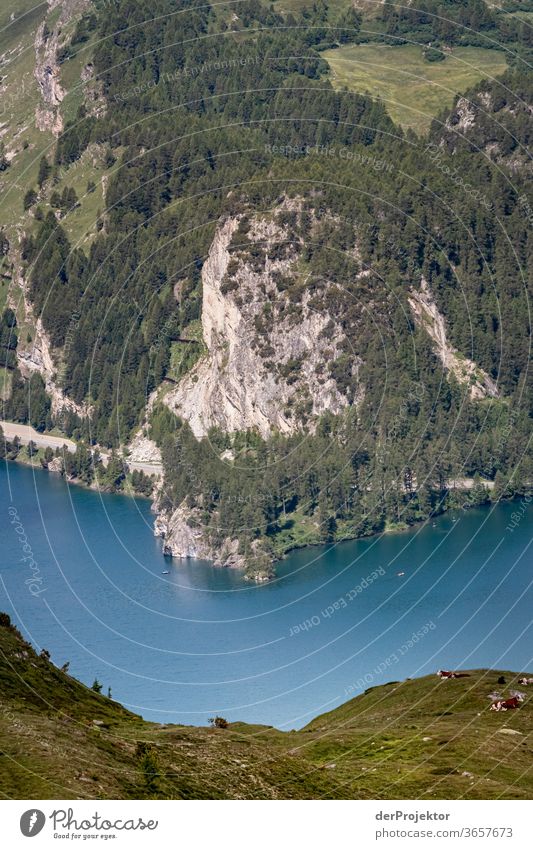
point(38, 356)
point(182, 536)
point(47, 71)
point(185, 537)
point(236, 386)
point(142, 449)
point(465, 371)
point(56, 465)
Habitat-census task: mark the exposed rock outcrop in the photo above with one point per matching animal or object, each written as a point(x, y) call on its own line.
point(493, 120)
point(56, 465)
point(182, 535)
point(267, 363)
point(142, 449)
point(466, 372)
point(47, 70)
point(185, 537)
point(463, 117)
point(37, 356)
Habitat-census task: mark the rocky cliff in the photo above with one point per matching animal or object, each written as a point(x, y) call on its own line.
point(266, 366)
point(496, 119)
point(47, 69)
point(184, 536)
point(36, 354)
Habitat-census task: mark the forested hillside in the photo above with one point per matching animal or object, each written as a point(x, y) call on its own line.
point(380, 278)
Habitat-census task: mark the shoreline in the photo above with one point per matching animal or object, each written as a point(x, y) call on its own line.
point(278, 558)
point(92, 487)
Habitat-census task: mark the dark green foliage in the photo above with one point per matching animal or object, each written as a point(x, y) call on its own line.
point(29, 199)
point(112, 476)
point(66, 201)
point(348, 25)
point(434, 54)
point(45, 169)
point(449, 21)
point(83, 465)
point(8, 339)
point(29, 402)
point(149, 770)
point(12, 449)
point(4, 161)
point(141, 483)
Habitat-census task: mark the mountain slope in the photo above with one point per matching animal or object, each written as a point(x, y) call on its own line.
point(423, 738)
point(316, 319)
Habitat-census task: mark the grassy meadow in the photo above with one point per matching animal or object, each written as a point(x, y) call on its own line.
point(418, 739)
point(413, 90)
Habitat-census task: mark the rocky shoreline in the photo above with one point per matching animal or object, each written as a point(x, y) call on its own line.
point(184, 537)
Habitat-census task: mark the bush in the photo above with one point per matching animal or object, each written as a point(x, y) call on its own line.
point(433, 54)
point(29, 199)
point(149, 766)
point(218, 722)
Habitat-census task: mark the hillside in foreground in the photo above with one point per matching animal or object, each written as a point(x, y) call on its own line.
point(422, 738)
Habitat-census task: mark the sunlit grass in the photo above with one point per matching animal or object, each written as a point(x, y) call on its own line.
point(414, 91)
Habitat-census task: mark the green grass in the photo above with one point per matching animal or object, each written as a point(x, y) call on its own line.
point(413, 90)
point(80, 223)
point(297, 531)
point(184, 356)
point(420, 739)
point(26, 13)
point(526, 16)
point(21, 137)
point(19, 100)
point(286, 6)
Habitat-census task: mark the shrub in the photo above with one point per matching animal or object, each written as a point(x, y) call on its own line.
point(433, 54)
point(29, 199)
point(218, 722)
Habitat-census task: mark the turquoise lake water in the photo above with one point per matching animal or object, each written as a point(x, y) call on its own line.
point(199, 641)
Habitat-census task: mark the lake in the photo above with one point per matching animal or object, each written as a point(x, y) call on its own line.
point(81, 575)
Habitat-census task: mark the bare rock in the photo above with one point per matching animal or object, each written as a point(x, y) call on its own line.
point(466, 372)
point(236, 386)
